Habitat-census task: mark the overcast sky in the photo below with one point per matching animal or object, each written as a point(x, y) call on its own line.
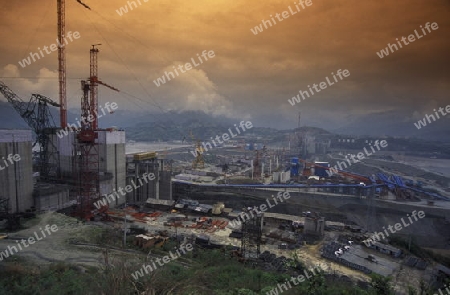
point(251, 76)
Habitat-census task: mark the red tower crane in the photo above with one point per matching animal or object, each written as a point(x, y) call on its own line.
point(87, 151)
point(61, 7)
point(61, 10)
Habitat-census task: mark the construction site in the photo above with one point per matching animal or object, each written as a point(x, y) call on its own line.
point(82, 180)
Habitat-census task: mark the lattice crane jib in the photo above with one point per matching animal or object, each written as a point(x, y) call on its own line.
point(37, 115)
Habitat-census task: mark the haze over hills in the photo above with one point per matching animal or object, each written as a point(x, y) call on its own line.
point(175, 125)
point(391, 124)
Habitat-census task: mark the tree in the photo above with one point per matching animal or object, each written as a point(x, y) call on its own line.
point(381, 285)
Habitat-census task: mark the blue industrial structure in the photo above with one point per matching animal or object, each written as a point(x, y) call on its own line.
point(319, 171)
point(295, 167)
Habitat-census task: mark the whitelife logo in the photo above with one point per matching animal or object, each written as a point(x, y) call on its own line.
point(31, 240)
point(343, 165)
point(447, 290)
point(128, 189)
point(262, 208)
point(280, 288)
point(285, 14)
point(398, 226)
point(166, 259)
point(53, 47)
point(423, 123)
point(187, 67)
point(12, 159)
point(411, 38)
point(243, 125)
point(111, 107)
point(124, 9)
point(340, 73)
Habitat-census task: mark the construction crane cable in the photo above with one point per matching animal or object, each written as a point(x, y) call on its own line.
point(155, 103)
point(157, 54)
point(39, 78)
point(33, 37)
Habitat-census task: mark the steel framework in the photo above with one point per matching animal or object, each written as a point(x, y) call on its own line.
point(37, 115)
point(87, 147)
point(61, 9)
point(87, 144)
point(199, 161)
point(251, 236)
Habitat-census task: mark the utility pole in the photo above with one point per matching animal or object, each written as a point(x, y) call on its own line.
point(125, 226)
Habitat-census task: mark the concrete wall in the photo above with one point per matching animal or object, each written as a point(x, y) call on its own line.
point(159, 188)
point(16, 180)
point(165, 185)
point(314, 226)
point(111, 151)
point(149, 189)
point(112, 160)
point(65, 146)
point(52, 197)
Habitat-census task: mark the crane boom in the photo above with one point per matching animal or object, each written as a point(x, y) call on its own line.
point(36, 114)
point(27, 110)
point(19, 105)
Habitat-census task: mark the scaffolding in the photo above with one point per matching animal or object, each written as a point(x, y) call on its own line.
point(251, 236)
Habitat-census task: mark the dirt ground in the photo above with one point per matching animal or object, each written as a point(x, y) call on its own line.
point(403, 277)
point(56, 247)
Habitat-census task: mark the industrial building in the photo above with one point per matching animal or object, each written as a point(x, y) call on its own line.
point(111, 155)
point(156, 187)
point(16, 169)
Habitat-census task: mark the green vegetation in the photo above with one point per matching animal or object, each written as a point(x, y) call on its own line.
point(209, 272)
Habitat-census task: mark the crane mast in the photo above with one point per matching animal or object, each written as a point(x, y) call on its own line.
point(94, 85)
point(87, 170)
point(61, 7)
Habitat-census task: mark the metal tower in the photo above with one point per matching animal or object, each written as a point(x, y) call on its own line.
point(87, 146)
point(36, 114)
point(61, 10)
point(257, 166)
point(61, 7)
point(199, 161)
point(87, 156)
point(251, 236)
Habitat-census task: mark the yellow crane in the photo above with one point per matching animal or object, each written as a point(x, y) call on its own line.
point(199, 162)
